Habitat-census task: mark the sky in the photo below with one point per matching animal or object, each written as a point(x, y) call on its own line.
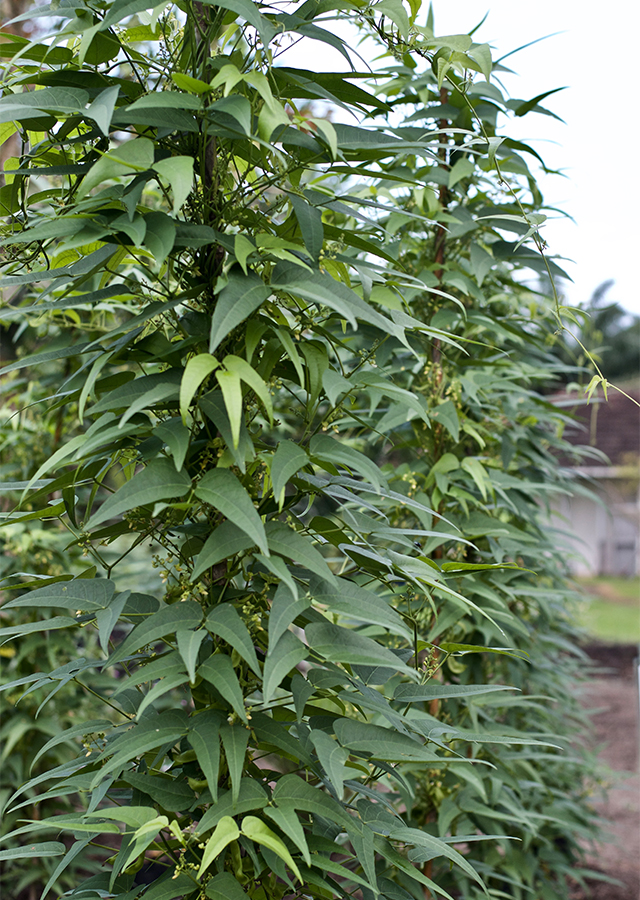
point(591, 50)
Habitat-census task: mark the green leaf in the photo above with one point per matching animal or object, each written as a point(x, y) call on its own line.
point(234, 741)
point(449, 647)
point(168, 620)
point(285, 607)
point(213, 405)
point(224, 621)
point(157, 481)
point(226, 831)
point(281, 659)
point(120, 160)
point(249, 12)
point(447, 414)
point(241, 297)
point(222, 490)
point(154, 732)
point(203, 735)
point(357, 603)
point(168, 792)
point(196, 370)
point(242, 370)
point(231, 387)
point(288, 459)
point(291, 790)
point(225, 541)
point(79, 593)
point(257, 830)
point(176, 436)
point(29, 851)
point(252, 796)
point(326, 448)
point(310, 221)
point(101, 109)
point(178, 171)
point(343, 645)
point(288, 543)
point(52, 624)
point(332, 758)
point(160, 235)
point(224, 887)
point(218, 671)
point(315, 356)
point(189, 643)
point(416, 693)
point(420, 838)
point(381, 743)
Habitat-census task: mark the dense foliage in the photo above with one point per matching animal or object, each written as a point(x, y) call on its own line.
point(283, 359)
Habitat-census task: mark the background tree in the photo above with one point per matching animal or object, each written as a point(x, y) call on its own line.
point(611, 334)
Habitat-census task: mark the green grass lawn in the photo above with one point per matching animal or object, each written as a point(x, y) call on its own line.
point(612, 613)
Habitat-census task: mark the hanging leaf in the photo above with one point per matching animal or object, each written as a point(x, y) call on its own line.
point(157, 481)
point(203, 737)
point(197, 369)
point(234, 742)
point(288, 459)
point(222, 490)
point(283, 657)
point(256, 830)
point(226, 831)
point(240, 298)
point(225, 622)
point(218, 671)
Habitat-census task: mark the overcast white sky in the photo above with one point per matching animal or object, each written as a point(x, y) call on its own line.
point(596, 56)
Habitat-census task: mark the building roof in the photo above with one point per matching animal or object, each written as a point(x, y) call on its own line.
point(611, 426)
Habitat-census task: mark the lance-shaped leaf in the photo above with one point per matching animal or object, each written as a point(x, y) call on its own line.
point(326, 448)
point(292, 545)
point(154, 732)
point(157, 481)
point(189, 643)
point(332, 758)
point(234, 741)
point(242, 370)
point(224, 621)
point(416, 693)
point(281, 659)
point(168, 792)
point(79, 593)
point(285, 607)
point(226, 831)
point(166, 621)
point(128, 158)
point(240, 298)
point(346, 646)
point(225, 541)
point(436, 847)
point(288, 459)
point(203, 735)
point(178, 171)
point(257, 830)
point(382, 743)
point(252, 796)
point(222, 490)
point(34, 851)
point(291, 790)
point(196, 370)
point(218, 671)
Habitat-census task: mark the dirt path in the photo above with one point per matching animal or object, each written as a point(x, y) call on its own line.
point(615, 694)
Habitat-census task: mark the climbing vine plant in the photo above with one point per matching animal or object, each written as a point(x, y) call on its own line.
point(294, 371)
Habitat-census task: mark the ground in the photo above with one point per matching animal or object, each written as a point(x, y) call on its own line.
point(613, 695)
